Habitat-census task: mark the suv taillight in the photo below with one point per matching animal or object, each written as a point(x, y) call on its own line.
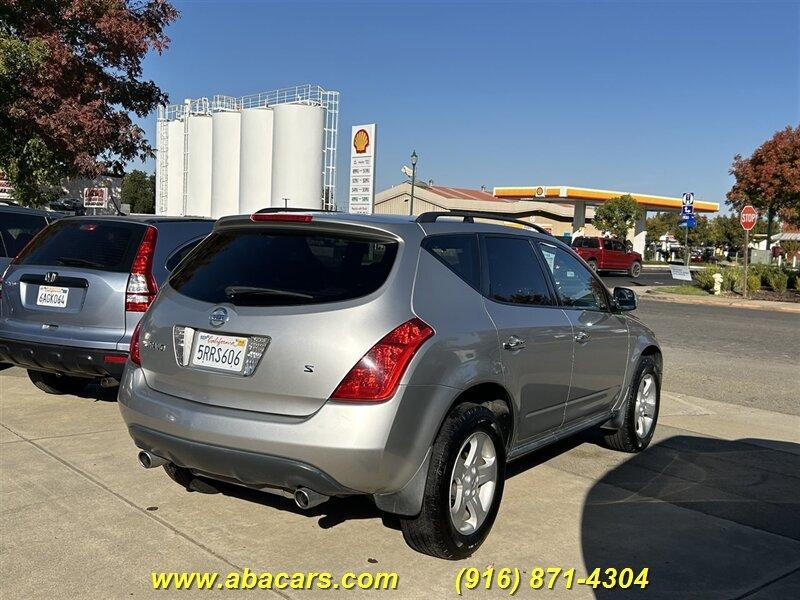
point(375, 377)
point(142, 287)
point(133, 352)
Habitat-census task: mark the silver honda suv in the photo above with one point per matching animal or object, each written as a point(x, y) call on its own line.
point(316, 354)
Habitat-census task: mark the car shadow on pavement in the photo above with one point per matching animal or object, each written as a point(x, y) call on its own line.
point(710, 518)
point(338, 510)
point(328, 514)
point(95, 391)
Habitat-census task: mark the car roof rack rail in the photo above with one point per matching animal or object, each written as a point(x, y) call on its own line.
point(469, 216)
point(277, 209)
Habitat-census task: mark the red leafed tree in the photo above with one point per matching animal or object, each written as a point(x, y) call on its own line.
point(770, 178)
point(70, 77)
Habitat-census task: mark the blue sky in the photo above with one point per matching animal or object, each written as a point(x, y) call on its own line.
point(653, 97)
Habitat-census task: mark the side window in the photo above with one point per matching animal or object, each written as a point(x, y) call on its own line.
point(18, 229)
point(459, 253)
point(575, 284)
point(178, 255)
point(515, 274)
point(592, 243)
point(616, 246)
point(579, 242)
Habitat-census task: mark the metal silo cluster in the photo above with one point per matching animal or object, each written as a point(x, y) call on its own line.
point(230, 155)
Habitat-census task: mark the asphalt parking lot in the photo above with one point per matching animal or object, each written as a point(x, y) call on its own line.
point(711, 507)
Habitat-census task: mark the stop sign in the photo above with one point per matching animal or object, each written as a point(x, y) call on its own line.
point(748, 217)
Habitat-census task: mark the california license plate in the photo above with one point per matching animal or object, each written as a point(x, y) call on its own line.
point(225, 352)
point(52, 296)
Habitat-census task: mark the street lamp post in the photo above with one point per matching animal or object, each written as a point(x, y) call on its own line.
point(413, 180)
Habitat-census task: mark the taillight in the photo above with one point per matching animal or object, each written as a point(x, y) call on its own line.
point(284, 217)
point(376, 376)
point(133, 352)
point(142, 287)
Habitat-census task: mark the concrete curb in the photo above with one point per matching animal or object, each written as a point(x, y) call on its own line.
point(652, 294)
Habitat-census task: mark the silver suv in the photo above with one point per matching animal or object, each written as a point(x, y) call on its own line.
point(72, 297)
point(325, 354)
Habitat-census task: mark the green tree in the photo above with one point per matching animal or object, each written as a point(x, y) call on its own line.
point(661, 224)
point(618, 215)
point(70, 75)
point(139, 191)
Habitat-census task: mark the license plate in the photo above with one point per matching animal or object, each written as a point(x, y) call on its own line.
point(224, 352)
point(52, 296)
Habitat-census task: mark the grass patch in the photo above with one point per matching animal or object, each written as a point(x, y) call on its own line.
point(683, 290)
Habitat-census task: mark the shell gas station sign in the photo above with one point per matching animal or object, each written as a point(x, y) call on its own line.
point(362, 169)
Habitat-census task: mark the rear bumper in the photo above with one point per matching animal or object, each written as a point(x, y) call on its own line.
point(340, 449)
point(249, 468)
point(80, 362)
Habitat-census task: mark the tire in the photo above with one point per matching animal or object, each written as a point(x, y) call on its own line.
point(53, 383)
point(592, 264)
point(635, 269)
point(433, 531)
point(629, 438)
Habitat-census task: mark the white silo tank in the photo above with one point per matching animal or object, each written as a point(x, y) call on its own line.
point(198, 180)
point(297, 151)
point(225, 163)
point(175, 168)
point(255, 159)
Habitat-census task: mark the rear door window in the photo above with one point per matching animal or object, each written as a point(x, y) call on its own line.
point(17, 229)
point(592, 243)
point(249, 267)
point(459, 253)
point(87, 244)
point(515, 274)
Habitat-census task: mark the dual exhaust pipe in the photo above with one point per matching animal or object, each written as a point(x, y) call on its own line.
point(304, 498)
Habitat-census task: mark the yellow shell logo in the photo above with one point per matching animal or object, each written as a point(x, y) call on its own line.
point(361, 141)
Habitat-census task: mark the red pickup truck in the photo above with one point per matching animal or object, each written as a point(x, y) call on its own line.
point(606, 254)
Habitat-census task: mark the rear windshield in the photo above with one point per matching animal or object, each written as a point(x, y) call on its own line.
point(107, 246)
point(269, 268)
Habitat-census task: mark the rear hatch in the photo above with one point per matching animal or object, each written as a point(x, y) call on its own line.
point(68, 286)
point(271, 317)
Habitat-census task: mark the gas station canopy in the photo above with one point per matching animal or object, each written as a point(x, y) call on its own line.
point(563, 193)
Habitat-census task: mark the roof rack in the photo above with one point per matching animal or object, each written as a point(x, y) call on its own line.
point(277, 209)
point(469, 216)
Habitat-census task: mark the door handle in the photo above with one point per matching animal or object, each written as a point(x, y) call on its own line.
point(514, 343)
point(581, 337)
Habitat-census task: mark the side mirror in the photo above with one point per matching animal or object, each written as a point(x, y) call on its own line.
point(624, 298)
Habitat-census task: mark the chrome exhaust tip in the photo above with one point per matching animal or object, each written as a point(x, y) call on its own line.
point(151, 461)
point(306, 498)
point(108, 382)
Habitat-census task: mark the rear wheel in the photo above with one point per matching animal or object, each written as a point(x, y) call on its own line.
point(592, 264)
point(464, 486)
point(635, 269)
point(641, 410)
point(55, 383)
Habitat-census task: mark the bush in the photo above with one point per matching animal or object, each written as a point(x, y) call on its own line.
point(777, 280)
point(753, 282)
point(705, 278)
point(792, 280)
point(729, 278)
